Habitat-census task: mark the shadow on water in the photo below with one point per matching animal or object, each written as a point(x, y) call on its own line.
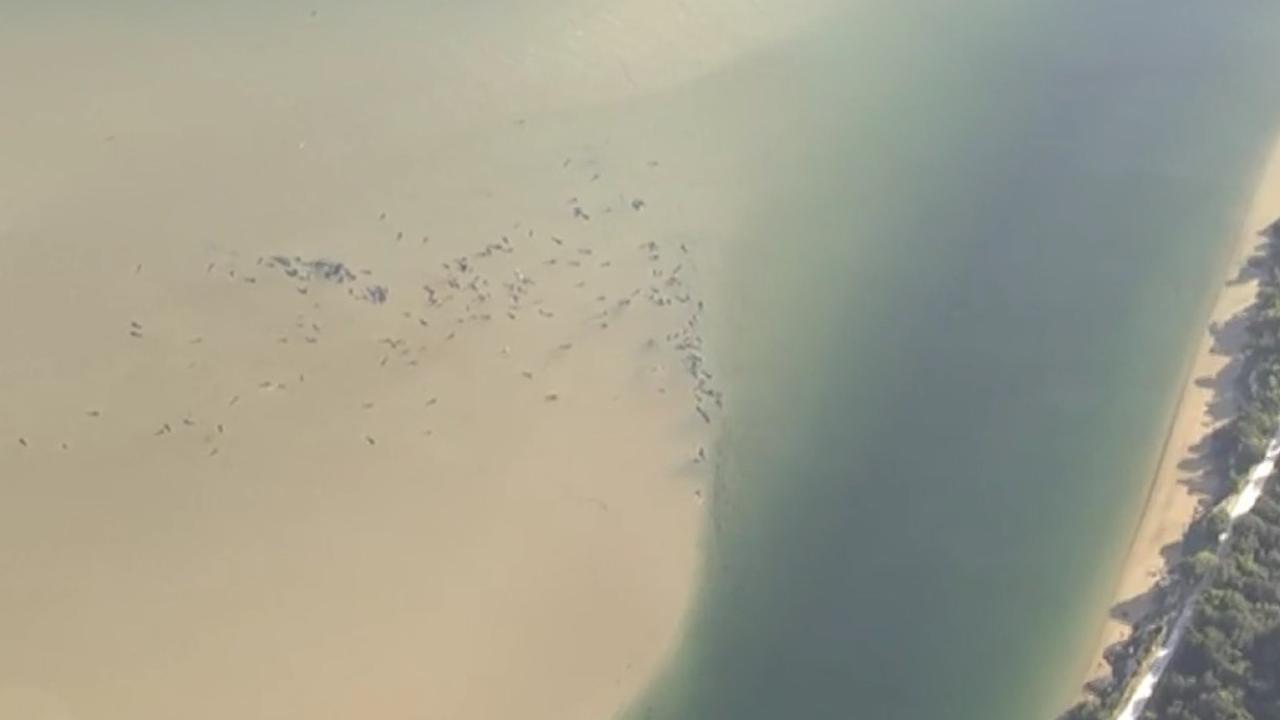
point(1205, 473)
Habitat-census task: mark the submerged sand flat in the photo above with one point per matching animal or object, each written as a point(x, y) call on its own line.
point(350, 364)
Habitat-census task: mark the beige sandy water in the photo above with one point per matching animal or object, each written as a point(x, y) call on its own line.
point(1183, 484)
point(230, 487)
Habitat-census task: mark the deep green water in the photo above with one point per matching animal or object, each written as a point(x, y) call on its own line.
point(985, 243)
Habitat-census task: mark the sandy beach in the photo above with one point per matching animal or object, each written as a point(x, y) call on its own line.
point(1184, 480)
point(354, 363)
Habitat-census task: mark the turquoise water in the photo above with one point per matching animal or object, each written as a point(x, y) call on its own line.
point(985, 242)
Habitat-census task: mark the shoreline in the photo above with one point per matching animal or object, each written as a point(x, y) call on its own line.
point(1182, 482)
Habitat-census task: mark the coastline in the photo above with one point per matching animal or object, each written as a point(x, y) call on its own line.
point(1184, 481)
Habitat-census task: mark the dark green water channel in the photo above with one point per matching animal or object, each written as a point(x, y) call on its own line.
point(985, 242)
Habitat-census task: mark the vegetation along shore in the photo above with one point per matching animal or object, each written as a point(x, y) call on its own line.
point(1221, 654)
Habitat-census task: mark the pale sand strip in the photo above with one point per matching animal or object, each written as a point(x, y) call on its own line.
point(1179, 486)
